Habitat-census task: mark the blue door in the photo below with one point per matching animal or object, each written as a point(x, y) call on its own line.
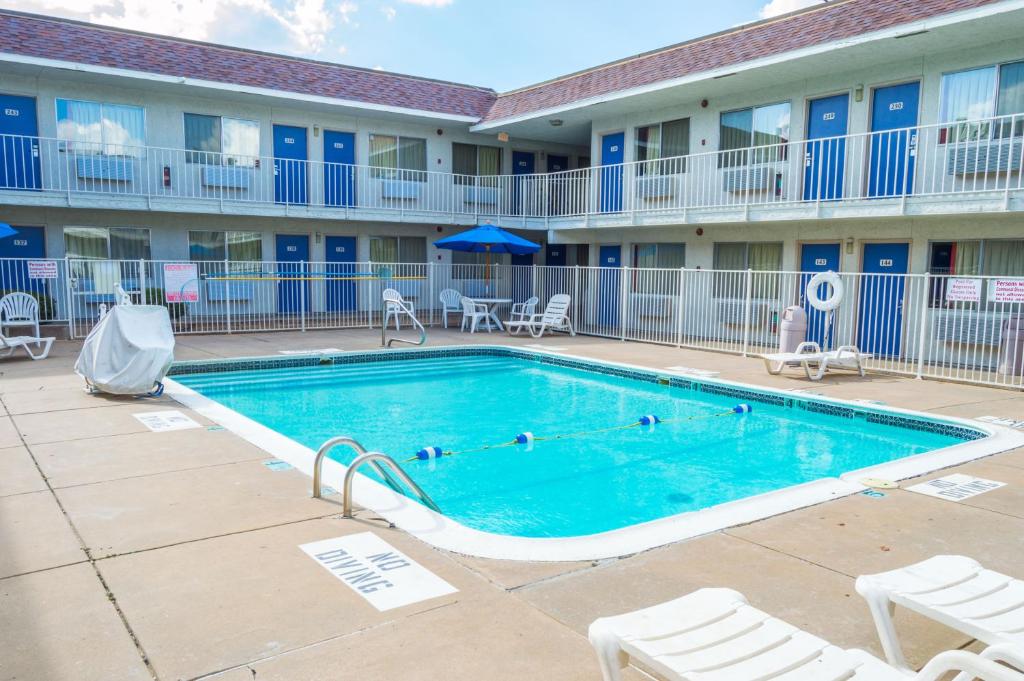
point(555, 255)
point(289, 164)
point(341, 258)
point(29, 242)
point(522, 164)
point(817, 258)
point(880, 318)
point(825, 155)
point(610, 277)
point(893, 145)
point(293, 285)
point(557, 164)
point(526, 259)
point(19, 143)
point(339, 168)
point(612, 156)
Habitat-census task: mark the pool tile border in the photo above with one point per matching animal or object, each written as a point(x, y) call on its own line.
point(709, 386)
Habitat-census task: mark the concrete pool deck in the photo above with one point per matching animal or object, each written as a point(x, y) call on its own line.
point(132, 554)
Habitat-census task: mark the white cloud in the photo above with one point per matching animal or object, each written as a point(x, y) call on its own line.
point(429, 3)
point(389, 13)
point(346, 10)
point(776, 7)
point(300, 26)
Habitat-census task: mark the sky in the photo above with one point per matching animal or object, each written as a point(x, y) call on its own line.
point(501, 44)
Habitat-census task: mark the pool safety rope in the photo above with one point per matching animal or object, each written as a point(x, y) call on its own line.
point(527, 438)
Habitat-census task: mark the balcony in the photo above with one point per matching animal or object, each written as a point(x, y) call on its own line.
point(940, 169)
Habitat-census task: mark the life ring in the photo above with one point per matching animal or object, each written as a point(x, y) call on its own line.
point(836, 297)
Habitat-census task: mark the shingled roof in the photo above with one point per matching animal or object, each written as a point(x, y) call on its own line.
point(72, 41)
point(838, 20)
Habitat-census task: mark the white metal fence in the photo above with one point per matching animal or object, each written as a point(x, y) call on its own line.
point(937, 326)
point(963, 158)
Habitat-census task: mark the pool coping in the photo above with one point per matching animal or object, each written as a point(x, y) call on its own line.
point(446, 533)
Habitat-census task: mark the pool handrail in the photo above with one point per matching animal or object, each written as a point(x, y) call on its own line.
point(360, 450)
point(384, 341)
point(373, 458)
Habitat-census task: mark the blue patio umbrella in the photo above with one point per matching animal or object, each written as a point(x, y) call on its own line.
point(488, 239)
point(6, 230)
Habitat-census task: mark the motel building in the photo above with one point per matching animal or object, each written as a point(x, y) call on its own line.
point(874, 136)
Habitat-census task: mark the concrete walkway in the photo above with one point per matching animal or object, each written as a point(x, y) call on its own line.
point(128, 554)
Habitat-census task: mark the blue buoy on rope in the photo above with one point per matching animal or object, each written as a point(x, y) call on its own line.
point(742, 409)
point(429, 453)
point(649, 420)
point(524, 438)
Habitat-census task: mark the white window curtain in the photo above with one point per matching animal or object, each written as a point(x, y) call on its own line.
point(123, 130)
point(80, 124)
point(241, 141)
point(1011, 98)
point(98, 128)
point(968, 96)
point(383, 157)
point(1004, 258)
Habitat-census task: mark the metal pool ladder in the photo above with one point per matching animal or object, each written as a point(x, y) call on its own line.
point(384, 340)
point(375, 459)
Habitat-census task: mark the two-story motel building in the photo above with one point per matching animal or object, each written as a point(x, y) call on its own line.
point(861, 135)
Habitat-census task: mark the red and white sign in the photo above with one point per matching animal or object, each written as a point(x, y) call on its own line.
point(1008, 291)
point(42, 269)
point(963, 291)
point(181, 282)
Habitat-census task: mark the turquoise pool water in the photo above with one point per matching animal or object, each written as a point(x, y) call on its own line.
point(567, 487)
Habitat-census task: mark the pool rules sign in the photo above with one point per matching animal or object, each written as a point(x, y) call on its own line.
point(375, 570)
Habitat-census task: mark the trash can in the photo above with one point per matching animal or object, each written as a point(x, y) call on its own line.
point(1011, 348)
point(793, 329)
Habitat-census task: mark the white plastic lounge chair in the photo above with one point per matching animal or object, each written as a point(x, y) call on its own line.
point(8, 344)
point(953, 590)
point(714, 635)
point(524, 310)
point(554, 318)
point(395, 306)
point(809, 353)
point(473, 313)
point(19, 309)
point(450, 303)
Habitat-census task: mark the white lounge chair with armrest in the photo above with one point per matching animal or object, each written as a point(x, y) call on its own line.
point(450, 302)
point(473, 313)
point(715, 635)
point(524, 310)
point(809, 353)
point(956, 591)
point(19, 309)
point(554, 318)
point(395, 306)
point(8, 344)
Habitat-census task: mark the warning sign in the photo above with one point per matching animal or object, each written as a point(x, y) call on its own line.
point(181, 282)
point(963, 291)
point(42, 269)
point(1008, 291)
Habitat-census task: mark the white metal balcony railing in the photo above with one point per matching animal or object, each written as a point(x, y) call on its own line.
point(935, 326)
point(968, 158)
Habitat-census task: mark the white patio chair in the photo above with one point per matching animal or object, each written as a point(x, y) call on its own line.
point(450, 303)
point(554, 318)
point(395, 306)
point(954, 590)
point(8, 344)
point(714, 635)
point(524, 310)
point(809, 353)
point(473, 313)
point(19, 309)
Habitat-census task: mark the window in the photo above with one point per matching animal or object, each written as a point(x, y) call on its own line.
point(760, 257)
point(107, 243)
point(978, 94)
point(669, 256)
point(400, 249)
point(237, 247)
point(468, 258)
point(403, 158)
point(99, 128)
point(764, 127)
point(217, 140)
point(663, 141)
point(474, 160)
point(971, 258)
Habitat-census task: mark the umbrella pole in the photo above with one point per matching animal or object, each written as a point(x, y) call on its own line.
point(487, 273)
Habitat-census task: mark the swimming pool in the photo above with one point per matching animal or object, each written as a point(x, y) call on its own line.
point(591, 471)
